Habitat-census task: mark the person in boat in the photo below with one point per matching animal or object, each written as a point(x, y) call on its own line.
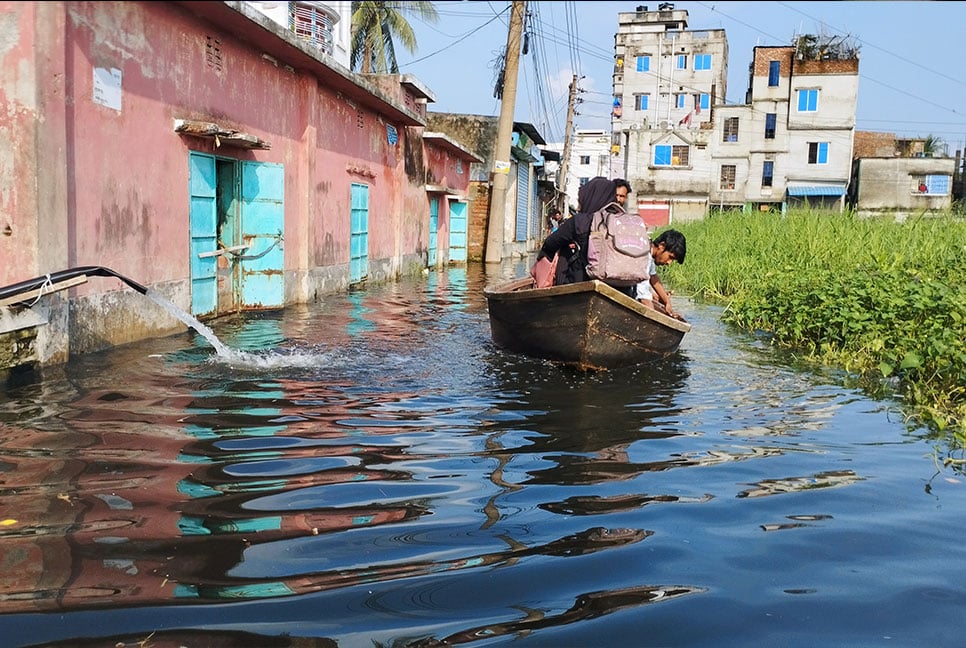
point(570, 237)
point(669, 246)
point(623, 190)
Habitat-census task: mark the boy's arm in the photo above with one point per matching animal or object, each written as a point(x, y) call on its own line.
point(662, 295)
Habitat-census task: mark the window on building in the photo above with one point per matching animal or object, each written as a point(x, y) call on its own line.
point(730, 130)
point(771, 119)
point(818, 152)
point(704, 100)
point(585, 159)
point(459, 166)
point(311, 24)
point(583, 181)
point(767, 173)
point(682, 62)
point(808, 100)
point(702, 62)
point(640, 101)
point(671, 155)
point(774, 69)
point(932, 185)
point(727, 182)
point(680, 100)
point(643, 63)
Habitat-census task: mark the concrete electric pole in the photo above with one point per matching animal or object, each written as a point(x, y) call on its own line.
point(565, 158)
point(504, 133)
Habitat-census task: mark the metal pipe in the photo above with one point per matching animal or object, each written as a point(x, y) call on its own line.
point(54, 277)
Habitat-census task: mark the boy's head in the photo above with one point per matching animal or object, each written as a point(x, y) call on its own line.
point(669, 246)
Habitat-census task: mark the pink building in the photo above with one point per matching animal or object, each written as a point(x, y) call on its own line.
point(209, 154)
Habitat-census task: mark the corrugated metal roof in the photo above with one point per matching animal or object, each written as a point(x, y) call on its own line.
point(816, 190)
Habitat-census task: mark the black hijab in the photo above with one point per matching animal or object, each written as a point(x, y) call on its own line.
point(570, 238)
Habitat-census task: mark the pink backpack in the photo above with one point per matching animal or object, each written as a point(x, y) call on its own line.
point(619, 247)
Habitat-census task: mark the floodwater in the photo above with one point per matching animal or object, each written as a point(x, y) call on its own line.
point(369, 470)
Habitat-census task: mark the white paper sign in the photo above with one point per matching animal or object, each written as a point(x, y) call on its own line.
point(107, 87)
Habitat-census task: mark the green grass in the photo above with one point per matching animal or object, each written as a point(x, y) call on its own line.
point(883, 300)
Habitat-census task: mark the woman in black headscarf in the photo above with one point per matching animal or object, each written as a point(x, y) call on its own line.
point(570, 238)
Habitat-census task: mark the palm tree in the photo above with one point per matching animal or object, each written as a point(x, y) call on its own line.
point(375, 25)
point(933, 146)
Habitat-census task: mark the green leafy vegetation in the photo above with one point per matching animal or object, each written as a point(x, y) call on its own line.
point(881, 299)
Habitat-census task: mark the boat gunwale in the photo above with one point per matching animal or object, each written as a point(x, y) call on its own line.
point(522, 289)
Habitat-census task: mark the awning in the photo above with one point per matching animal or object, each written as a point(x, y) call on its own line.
point(816, 190)
point(222, 135)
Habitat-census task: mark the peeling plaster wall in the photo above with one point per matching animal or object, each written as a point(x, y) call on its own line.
point(90, 176)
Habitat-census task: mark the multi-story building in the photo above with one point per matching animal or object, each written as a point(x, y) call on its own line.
point(667, 81)
point(685, 151)
point(589, 157)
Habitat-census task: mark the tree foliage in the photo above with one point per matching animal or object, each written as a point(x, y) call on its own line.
point(377, 26)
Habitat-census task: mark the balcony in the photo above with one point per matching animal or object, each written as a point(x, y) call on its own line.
point(313, 22)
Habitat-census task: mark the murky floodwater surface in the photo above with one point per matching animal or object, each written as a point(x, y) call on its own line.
point(369, 470)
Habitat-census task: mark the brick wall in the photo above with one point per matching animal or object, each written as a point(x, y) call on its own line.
point(870, 145)
point(479, 216)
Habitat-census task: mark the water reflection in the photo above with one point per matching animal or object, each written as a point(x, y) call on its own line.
point(370, 470)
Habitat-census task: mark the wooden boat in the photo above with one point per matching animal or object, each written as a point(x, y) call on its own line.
point(589, 325)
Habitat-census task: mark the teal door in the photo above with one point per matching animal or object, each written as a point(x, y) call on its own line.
point(433, 230)
point(262, 223)
point(359, 233)
point(457, 232)
point(203, 226)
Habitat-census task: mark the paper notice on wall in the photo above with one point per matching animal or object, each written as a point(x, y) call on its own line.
point(501, 167)
point(107, 87)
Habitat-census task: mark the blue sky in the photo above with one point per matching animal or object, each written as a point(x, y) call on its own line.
point(912, 66)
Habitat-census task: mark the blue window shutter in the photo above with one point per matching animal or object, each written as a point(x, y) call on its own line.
point(774, 67)
point(662, 155)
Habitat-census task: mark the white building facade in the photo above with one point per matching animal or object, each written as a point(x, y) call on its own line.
point(685, 151)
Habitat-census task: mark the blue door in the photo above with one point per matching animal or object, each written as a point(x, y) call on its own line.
point(359, 233)
point(262, 223)
point(457, 232)
point(433, 230)
point(523, 202)
point(203, 226)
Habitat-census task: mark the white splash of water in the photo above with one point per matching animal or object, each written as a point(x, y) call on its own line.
point(191, 321)
point(268, 359)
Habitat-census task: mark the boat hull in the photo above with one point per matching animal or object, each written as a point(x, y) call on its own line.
point(588, 325)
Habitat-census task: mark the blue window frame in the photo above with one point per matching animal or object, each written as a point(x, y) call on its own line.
point(702, 61)
point(808, 100)
point(818, 152)
point(682, 62)
point(668, 155)
point(774, 68)
point(937, 185)
point(640, 101)
point(643, 63)
point(771, 119)
point(767, 173)
point(679, 100)
point(704, 100)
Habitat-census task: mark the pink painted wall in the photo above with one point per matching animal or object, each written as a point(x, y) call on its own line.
point(94, 178)
point(125, 171)
point(442, 170)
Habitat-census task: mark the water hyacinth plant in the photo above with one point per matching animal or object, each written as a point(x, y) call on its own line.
point(882, 299)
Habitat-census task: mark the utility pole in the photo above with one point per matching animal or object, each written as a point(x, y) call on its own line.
point(504, 133)
point(568, 140)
